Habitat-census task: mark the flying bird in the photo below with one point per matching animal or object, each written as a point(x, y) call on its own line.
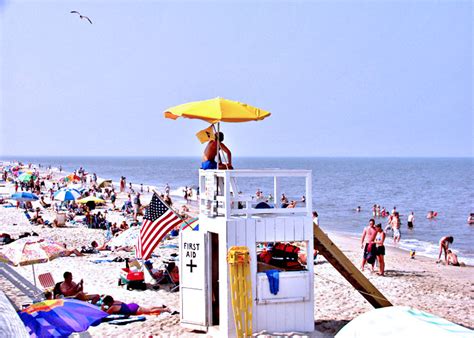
point(82, 16)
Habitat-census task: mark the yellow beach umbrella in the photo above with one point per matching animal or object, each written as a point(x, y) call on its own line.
point(217, 110)
point(91, 199)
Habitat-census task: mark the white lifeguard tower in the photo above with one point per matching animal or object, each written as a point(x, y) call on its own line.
point(228, 218)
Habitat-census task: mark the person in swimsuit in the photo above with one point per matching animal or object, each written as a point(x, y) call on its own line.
point(112, 306)
point(444, 246)
point(395, 223)
point(379, 239)
point(453, 259)
point(368, 237)
point(210, 153)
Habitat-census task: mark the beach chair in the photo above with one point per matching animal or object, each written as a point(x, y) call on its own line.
point(168, 274)
point(47, 281)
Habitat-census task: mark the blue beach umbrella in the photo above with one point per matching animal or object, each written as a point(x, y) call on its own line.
point(24, 196)
point(67, 194)
point(60, 317)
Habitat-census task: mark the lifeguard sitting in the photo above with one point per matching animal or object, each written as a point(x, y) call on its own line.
point(210, 153)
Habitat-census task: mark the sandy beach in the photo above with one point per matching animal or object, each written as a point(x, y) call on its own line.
point(446, 291)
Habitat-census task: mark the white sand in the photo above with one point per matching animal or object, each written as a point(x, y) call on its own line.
point(445, 291)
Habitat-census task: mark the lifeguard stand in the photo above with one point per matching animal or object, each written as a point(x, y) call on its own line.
point(228, 218)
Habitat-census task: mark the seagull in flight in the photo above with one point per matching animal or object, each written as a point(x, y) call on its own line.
point(82, 16)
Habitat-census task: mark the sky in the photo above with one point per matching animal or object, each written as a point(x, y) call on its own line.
point(340, 78)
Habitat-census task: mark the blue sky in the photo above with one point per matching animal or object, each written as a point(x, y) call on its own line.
point(340, 78)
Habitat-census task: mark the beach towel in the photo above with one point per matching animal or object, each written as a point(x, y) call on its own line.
point(124, 321)
point(273, 280)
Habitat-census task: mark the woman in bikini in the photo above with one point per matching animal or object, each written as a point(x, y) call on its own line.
point(444, 243)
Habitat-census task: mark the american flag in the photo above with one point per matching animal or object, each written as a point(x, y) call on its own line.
point(159, 219)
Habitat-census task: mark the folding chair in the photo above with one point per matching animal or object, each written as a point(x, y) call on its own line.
point(47, 281)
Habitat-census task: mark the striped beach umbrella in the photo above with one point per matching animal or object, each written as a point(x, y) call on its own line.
point(67, 194)
point(24, 196)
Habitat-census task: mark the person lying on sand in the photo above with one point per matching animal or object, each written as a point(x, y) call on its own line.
point(70, 289)
point(112, 306)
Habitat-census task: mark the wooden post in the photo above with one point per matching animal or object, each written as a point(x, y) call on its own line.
point(334, 255)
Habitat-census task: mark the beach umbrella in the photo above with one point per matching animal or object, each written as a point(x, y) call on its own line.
point(192, 224)
point(401, 321)
point(105, 184)
point(24, 196)
point(30, 251)
point(72, 178)
point(217, 110)
point(91, 199)
point(128, 237)
point(26, 177)
point(67, 194)
point(60, 317)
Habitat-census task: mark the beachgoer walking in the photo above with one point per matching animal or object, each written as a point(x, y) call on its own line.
point(122, 184)
point(315, 218)
point(379, 240)
point(141, 188)
point(444, 243)
point(411, 219)
point(113, 198)
point(395, 223)
point(367, 243)
point(185, 191)
point(210, 153)
point(374, 211)
point(284, 201)
point(136, 206)
point(167, 189)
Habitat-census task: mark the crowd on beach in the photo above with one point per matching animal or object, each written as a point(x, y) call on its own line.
point(374, 235)
point(100, 212)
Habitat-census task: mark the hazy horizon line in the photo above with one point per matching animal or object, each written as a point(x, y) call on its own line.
point(13, 157)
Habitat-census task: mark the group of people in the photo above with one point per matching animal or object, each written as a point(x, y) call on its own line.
point(70, 289)
point(372, 242)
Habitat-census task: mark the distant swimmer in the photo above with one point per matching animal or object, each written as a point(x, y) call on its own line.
point(470, 219)
point(431, 214)
point(82, 16)
point(358, 209)
point(411, 219)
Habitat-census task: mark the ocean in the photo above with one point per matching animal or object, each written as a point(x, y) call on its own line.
point(445, 185)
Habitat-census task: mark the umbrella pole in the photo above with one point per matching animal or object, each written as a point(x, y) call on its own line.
point(218, 145)
point(34, 276)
